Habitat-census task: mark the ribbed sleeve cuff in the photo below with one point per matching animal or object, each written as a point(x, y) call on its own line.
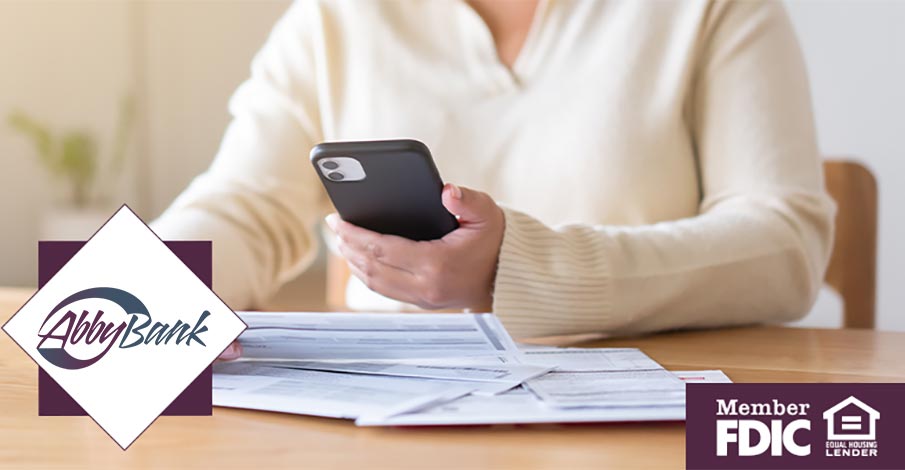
point(551, 282)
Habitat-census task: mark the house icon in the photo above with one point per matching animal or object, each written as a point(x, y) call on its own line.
point(851, 420)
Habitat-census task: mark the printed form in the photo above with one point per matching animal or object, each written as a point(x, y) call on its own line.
point(439, 369)
point(370, 336)
point(521, 406)
point(603, 377)
point(254, 386)
point(410, 362)
point(491, 378)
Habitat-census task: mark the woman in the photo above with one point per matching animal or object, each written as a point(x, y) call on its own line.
point(618, 167)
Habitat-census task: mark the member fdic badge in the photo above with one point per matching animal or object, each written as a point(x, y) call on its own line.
point(816, 425)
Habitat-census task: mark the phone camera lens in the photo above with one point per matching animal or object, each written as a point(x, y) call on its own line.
point(335, 175)
point(330, 165)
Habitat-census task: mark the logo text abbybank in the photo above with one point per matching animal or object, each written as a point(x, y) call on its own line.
point(126, 297)
point(64, 328)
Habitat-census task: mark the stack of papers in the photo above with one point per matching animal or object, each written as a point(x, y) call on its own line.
point(438, 369)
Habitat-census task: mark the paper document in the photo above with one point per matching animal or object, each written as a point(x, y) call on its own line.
point(702, 376)
point(439, 369)
point(370, 336)
point(534, 347)
point(603, 377)
point(513, 374)
point(255, 386)
point(628, 388)
point(520, 407)
point(591, 359)
point(481, 387)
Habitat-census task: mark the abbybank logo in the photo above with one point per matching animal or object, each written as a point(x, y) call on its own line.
point(794, 426)
point(71, 330)
point(122, 329)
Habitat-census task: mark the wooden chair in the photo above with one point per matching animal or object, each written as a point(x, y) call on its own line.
point(852, 269)
point(853, 265)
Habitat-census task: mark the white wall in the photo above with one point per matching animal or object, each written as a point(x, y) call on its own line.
point(197, 53)
point(68, 61)
point(855, 53)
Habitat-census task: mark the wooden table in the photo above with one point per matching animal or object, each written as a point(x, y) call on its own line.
point(237, 438)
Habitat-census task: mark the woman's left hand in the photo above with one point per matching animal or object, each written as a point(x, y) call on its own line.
point(456, 271)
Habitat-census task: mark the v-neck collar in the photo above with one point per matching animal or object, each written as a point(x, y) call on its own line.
point(487, 56)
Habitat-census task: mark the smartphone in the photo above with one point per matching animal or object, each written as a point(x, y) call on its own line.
point(387, 186)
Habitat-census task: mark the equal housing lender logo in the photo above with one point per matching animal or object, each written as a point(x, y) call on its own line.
point(122, 329)
point(795, 426)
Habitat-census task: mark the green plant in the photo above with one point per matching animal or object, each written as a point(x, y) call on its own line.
point(73, 156)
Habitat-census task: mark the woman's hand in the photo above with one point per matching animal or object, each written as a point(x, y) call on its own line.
point(456, 271)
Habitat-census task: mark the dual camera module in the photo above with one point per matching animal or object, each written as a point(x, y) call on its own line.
point(341, 169)
point(333, 175)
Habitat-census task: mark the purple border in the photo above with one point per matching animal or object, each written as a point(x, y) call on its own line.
point(195, 400)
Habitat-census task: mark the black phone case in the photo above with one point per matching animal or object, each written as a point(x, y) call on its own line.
point(400, 194)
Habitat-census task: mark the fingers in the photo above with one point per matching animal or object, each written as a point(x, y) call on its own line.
point(455, 271)
point(388, 281)
point(232, 352)
point(472, 207)
point(390, 250)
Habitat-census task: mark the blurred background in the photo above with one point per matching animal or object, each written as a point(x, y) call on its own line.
point(135, 94)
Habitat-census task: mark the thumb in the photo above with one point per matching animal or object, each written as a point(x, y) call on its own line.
point(472, 207)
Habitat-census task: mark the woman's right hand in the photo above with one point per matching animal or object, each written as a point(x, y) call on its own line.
point(231, 353)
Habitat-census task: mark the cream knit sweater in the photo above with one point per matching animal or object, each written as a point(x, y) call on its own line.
point(656, 160)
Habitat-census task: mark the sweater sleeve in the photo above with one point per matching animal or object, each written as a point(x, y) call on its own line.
point(260, 199)
point(759, 246)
